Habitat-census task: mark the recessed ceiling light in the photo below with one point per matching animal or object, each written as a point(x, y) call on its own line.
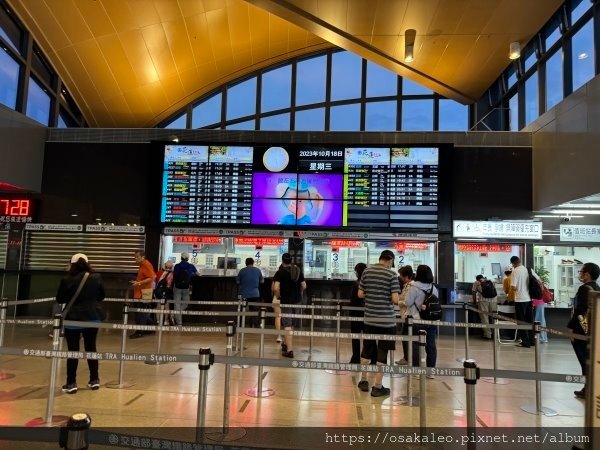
point(73, 215)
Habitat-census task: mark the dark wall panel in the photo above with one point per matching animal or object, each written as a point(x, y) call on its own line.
point(491, 182)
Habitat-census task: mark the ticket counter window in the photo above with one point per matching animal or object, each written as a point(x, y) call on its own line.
point(336, 258)
point(489, 260)
point(559, 266)
point(265, 251)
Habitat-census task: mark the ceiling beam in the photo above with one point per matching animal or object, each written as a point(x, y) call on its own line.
point(342, 39)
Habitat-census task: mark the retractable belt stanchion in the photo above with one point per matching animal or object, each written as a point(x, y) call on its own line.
point(241, 336)
point(466, 308)
point(238, 323)
point(74, 435)
point(538, 408)
point(205, 360)
point(310, 349)
point(3, 308)
point(494, 379)
point(121, 383)
point(422, 387)
point(227, 434)
point(259, 391)
point(161, 315)
point(409, 399)
point(338, 316)
point(49, 419)
point(471, 376)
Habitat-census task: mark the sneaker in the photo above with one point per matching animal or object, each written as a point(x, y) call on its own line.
point(70, 388)
point(94, 385)
point(520, 344)
point(402, 362)
point(379, 392)
point(136, 335)
point(279, 339)
point(289, 354)
point(363, 385)
point(578, 394)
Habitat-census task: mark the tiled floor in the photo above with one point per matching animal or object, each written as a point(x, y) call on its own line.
point(166, 395)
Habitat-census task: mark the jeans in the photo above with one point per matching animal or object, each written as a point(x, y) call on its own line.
point(540, 316)
point(524, 313)
point(73, 337)
point(430, 347)
point(142, 318)
point(180, 295)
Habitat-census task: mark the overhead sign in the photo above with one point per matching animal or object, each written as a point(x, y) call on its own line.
point(115, 229)
point(497, 230)
point(198, 239)
point(259, 241)
point(401, 246)
point(486, 248)
point(53, 227)
point(580, 233)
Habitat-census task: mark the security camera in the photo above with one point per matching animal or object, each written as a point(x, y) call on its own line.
point(566, 219)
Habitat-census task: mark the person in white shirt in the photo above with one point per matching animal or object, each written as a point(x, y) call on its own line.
point(519, 282)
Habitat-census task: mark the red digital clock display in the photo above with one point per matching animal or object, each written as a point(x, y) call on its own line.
point(16, 209)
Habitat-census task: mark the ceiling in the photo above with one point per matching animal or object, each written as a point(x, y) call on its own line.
point(133, 63)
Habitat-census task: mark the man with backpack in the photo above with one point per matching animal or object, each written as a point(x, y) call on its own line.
point(486, 298)
point(519, 281)
point(182, 276)
point(288, 285)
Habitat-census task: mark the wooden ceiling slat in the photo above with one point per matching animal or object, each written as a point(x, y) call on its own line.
point(96, 17)
point(179, 43)
point(159, 50)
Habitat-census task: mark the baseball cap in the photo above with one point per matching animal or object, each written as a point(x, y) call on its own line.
point(185, 255)
point(508, 268)
point(77, 256)
point(286, 258)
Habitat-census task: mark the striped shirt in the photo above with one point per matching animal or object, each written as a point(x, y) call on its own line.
point(378, 284)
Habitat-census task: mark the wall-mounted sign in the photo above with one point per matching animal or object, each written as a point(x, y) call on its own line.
point(115, 229)
point(580, 233)
point(401, 246)
point(14, 209)
point(345, 243)
point(53, 227)
point(496, 230)
point(259, 241)
point(197, 239)
point(485, 248)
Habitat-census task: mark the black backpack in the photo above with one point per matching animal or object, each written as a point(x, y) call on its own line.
point(181, 279)
point(534, 287)
point(488, 290)
point(431, 308)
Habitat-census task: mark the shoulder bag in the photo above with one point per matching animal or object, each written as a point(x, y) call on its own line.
point(77, 292)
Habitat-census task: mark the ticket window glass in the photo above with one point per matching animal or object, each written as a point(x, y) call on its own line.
point(559, 266)
point(489, 260)
point(266, 252)
point(336, 258)
point(207, 253)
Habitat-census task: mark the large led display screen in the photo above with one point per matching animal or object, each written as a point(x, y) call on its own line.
point(301, 186)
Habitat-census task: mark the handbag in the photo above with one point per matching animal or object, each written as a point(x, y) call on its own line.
point(77, 292)
point(547, 295)
point(583, 321)
point(147, 294)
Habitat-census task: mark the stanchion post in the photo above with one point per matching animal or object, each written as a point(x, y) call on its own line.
point(53, 366)
point(471, 377)
point(161, 314)
point(312, 324)
point(466, 331)
point(230, 332)
point(409, 389)
point(422, 388)
point(204, 362)
point(3, 307)
point(261, 350)
point(243, 321)
point(74, 435)
point(121, 383)
point(238, 323)
point(338, 329)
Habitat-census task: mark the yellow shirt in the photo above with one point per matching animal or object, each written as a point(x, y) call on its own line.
point(508, 289)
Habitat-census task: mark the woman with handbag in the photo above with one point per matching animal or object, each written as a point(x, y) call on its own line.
point(81, 291)
point(588, 275)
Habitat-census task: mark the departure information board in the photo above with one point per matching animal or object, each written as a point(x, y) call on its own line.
point(301, 186)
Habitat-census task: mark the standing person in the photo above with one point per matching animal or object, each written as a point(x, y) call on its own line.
point(406, 277)
point(164, 289)
point(248, 279)
point(142, 291)
point(486, 298)
point(415, 297)
point(182, 276)
point(288, 285)
point(83, 306)
point(380, 288)
point(519, 281)
point(588, 275)
point(356, 326)
point(539, 306)
point(506, 287)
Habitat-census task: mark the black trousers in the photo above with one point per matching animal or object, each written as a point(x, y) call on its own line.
point(73, 336)
point(524, 312)
point(580, 348)
point(430, 346)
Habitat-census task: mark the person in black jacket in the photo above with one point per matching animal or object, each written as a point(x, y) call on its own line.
point(588, 275)
point(87, 308)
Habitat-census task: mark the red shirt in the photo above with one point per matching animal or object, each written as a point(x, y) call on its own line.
point(145, 271)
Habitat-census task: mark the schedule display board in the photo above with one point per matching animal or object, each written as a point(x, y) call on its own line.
point(301, 186)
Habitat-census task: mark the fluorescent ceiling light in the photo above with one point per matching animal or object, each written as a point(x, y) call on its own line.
point(555, 217)
point(580, 205)
point(569, 211)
